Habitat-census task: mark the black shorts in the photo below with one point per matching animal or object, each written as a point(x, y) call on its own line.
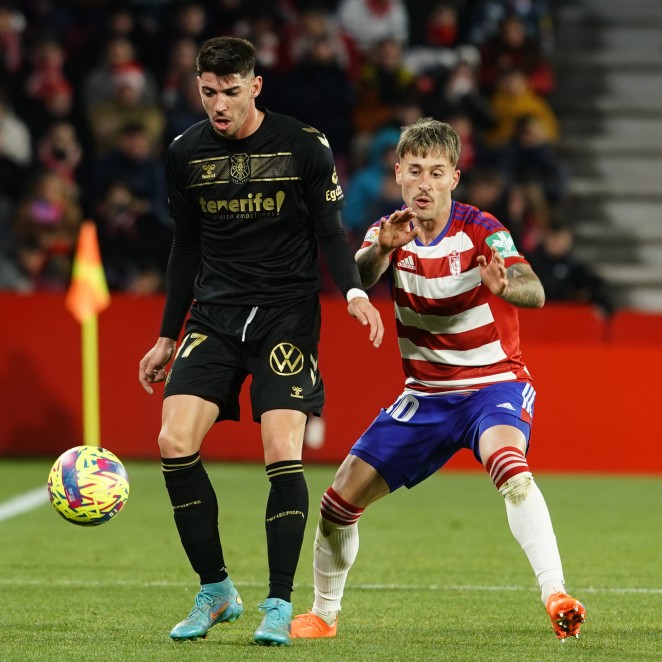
point(277, 346)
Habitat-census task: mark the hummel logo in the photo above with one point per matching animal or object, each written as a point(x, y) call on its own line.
point(407, 263)
point(506, 405)
point(320, 136)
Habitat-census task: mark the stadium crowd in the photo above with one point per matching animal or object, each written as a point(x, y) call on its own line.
point(93, 91)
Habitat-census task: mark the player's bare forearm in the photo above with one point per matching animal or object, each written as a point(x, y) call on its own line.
point(524, 289)
point(372, 263)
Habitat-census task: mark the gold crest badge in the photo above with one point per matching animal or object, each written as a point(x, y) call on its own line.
point(240, 168)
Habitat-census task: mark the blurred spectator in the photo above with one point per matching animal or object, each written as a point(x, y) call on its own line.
point(317, 92)
point(438, 42)
point(97, 86)
point(315, 24)
point(134, 244)
point(261, 27)
point(529, 214)
point(513, 100)
point(133, 162)
point(181, 63)
point(384, 83)
point(46, 68)
point(483, 18)
point(366, 185)
point(407, 110)
point(15, 140)
point(45, 229)
point(12, 176)
point(458, 91)
point(12, 26)
point(512, 48)
point(60, 151)
point(442, 29)
point(57, 105)
point(48, 95)
point(187, 111)
point(486, 189)
point(225, 16)
point(473, 151)
point(185, 19)
point(127, 106)
point(368, 22)
point(15, 156)
point(389, 198)
point(563, 275)
point(530, 157)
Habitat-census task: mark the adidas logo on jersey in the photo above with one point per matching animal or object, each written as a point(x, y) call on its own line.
point(407, 263)
point(506, 405)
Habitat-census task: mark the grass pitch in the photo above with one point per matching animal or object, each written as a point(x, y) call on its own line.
point(438, 576)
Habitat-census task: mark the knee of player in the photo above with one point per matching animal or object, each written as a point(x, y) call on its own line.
point(336, 512)
point(174, 445)
point(509, 472)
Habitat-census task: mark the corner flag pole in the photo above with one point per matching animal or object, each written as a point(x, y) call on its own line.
point(87, 296)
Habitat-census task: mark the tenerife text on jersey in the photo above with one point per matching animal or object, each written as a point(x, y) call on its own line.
point(252, 206)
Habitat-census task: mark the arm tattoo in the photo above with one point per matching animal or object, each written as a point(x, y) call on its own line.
point(524, 288)
point(372, 263)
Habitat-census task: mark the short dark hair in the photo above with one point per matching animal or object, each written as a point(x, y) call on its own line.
point(226, 56)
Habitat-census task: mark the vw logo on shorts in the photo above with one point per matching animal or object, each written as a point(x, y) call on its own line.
point(286, 359)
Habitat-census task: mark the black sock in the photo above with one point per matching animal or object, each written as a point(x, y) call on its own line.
point(196, 515)
point(287, 512)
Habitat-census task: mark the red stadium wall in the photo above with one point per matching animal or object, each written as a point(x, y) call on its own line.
point(596, 382)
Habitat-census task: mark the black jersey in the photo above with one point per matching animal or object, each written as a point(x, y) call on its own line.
point(253, 201)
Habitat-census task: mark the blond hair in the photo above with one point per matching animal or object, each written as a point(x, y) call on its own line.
point(428, 136)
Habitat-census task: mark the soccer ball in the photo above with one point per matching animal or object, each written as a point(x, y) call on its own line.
point(88, 485)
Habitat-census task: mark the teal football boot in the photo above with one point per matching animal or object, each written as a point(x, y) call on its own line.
point(215, 603)
point(275, 627)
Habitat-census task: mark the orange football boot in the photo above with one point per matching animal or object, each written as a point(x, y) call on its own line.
point(310, 626)
point(567, 615)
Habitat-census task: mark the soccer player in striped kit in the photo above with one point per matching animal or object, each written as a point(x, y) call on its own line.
point(457, 281)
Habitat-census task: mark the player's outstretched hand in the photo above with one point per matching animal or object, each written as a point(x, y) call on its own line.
point(493, 274)
point(152, 366)
point(396, 231)
point(361, 309)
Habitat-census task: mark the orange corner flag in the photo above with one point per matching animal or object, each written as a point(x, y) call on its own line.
point(88, 292)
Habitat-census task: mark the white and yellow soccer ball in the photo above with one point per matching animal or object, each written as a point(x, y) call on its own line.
point(88, 485)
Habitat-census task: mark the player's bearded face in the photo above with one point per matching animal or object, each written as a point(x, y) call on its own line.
point(227, 101)
point(427, 183)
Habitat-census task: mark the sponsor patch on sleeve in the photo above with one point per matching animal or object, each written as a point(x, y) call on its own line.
point(504, 244)
point(371, 234)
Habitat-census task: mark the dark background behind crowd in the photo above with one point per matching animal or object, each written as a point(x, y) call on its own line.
point(92, 92)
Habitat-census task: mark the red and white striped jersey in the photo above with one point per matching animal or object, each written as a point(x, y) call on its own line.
point(454, 334)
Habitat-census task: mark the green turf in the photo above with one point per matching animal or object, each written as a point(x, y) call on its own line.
point(438, 576)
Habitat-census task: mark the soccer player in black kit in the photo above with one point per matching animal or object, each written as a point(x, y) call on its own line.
point(253, 196)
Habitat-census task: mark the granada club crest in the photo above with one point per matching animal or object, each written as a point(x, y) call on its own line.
point(240, 168)
point(455, 263)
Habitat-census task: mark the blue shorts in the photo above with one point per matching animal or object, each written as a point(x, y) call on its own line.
point(418, 434)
